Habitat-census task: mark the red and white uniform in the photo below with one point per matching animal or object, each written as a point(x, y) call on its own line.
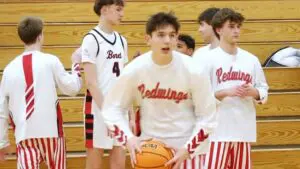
point(200, 57)
point(109, 53)
point(236, 116)
point(29, 97)
point(175, 108)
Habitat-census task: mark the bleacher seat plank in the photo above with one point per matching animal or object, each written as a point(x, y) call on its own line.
point(72, 34)
point(82, 11)
point(284, 79)
point(280, 105)
point(279, 79)
point(268, 133)
point(261, 50)
point(262, 159)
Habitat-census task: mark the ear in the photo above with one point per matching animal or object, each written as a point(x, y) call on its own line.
point(148, 39)
point(103, 10)
point(40, 37)
point(219, 31)
point(190, 51)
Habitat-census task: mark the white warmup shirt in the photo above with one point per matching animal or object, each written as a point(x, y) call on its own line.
point(28, 94)
point(109, 53)
point(237, 116)
point(200, 52)
point(176, 102)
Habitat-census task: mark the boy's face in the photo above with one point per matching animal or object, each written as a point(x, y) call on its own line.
point(206, 31)
point(114, 13)
point(183, 48)
point(163, 40)
point(230, 32)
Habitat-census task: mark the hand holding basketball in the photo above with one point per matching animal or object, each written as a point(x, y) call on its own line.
point(133, 146)
point(180, 155)
point(154, 156)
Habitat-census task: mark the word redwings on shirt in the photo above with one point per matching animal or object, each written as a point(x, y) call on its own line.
point(233, 75)
point(161, 93)
point(112, 55)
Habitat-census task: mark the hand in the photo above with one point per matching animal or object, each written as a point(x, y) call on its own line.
point(238, 91)
point(251, 91)
point(76, 56)
point(180, 155)
point(133, 146)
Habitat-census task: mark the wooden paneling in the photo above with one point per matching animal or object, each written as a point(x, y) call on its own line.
point(283, 78)
point(83, 11)
point(72, 34)
point(279, 79)
point(262, 51)
point(269, 133)
point(280, 104)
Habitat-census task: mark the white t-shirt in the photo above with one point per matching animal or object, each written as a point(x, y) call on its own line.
point(237, 116)
point(175, 101)
point(109, 53)
point(28, 94)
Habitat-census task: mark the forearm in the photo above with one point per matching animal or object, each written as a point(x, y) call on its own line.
point(4, 141)
point(221, 94)
point(96, 94)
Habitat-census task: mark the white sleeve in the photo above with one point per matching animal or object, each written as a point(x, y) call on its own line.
point(69, 84)
point(4, 113)
point(116, 105)
point(260, 83)
point(205, 112)
point(89, 49)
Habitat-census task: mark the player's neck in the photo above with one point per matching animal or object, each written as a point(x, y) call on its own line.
point(105, 26)
point(161, 60)
point(230, 48)
point(214, 42)
point(33, 47)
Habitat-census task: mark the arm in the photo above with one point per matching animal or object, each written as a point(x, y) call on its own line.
point(4, 115)
point(91, 83)
point(205, 111)
point(69, 84)
point(88, 52)
point(206, 120)
point(117, 102)
point(260, 84)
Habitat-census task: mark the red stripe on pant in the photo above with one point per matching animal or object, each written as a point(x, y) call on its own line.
point(31, 152)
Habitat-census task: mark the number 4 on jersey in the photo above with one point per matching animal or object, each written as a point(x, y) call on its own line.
point(116, 69)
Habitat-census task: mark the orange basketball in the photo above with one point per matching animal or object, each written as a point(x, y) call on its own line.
point(154, 156)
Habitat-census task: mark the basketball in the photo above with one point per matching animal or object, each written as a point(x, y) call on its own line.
point(154, 156)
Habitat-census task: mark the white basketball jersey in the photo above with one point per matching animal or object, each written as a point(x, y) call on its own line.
point(109, 53)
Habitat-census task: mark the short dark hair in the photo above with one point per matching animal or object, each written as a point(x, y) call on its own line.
point(208, 15)
point(29, 28)
point(223, 16)
point(162, 19)
point(188, 40)
point(100, 3)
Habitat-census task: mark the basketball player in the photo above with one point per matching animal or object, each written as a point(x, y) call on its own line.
point(185, 44)
point(176, 103)
point(238, 81)
point(207, 34)
point(104, 53)
point(28, 96)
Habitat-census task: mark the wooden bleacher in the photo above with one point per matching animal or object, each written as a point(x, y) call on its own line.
point(271, 24)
